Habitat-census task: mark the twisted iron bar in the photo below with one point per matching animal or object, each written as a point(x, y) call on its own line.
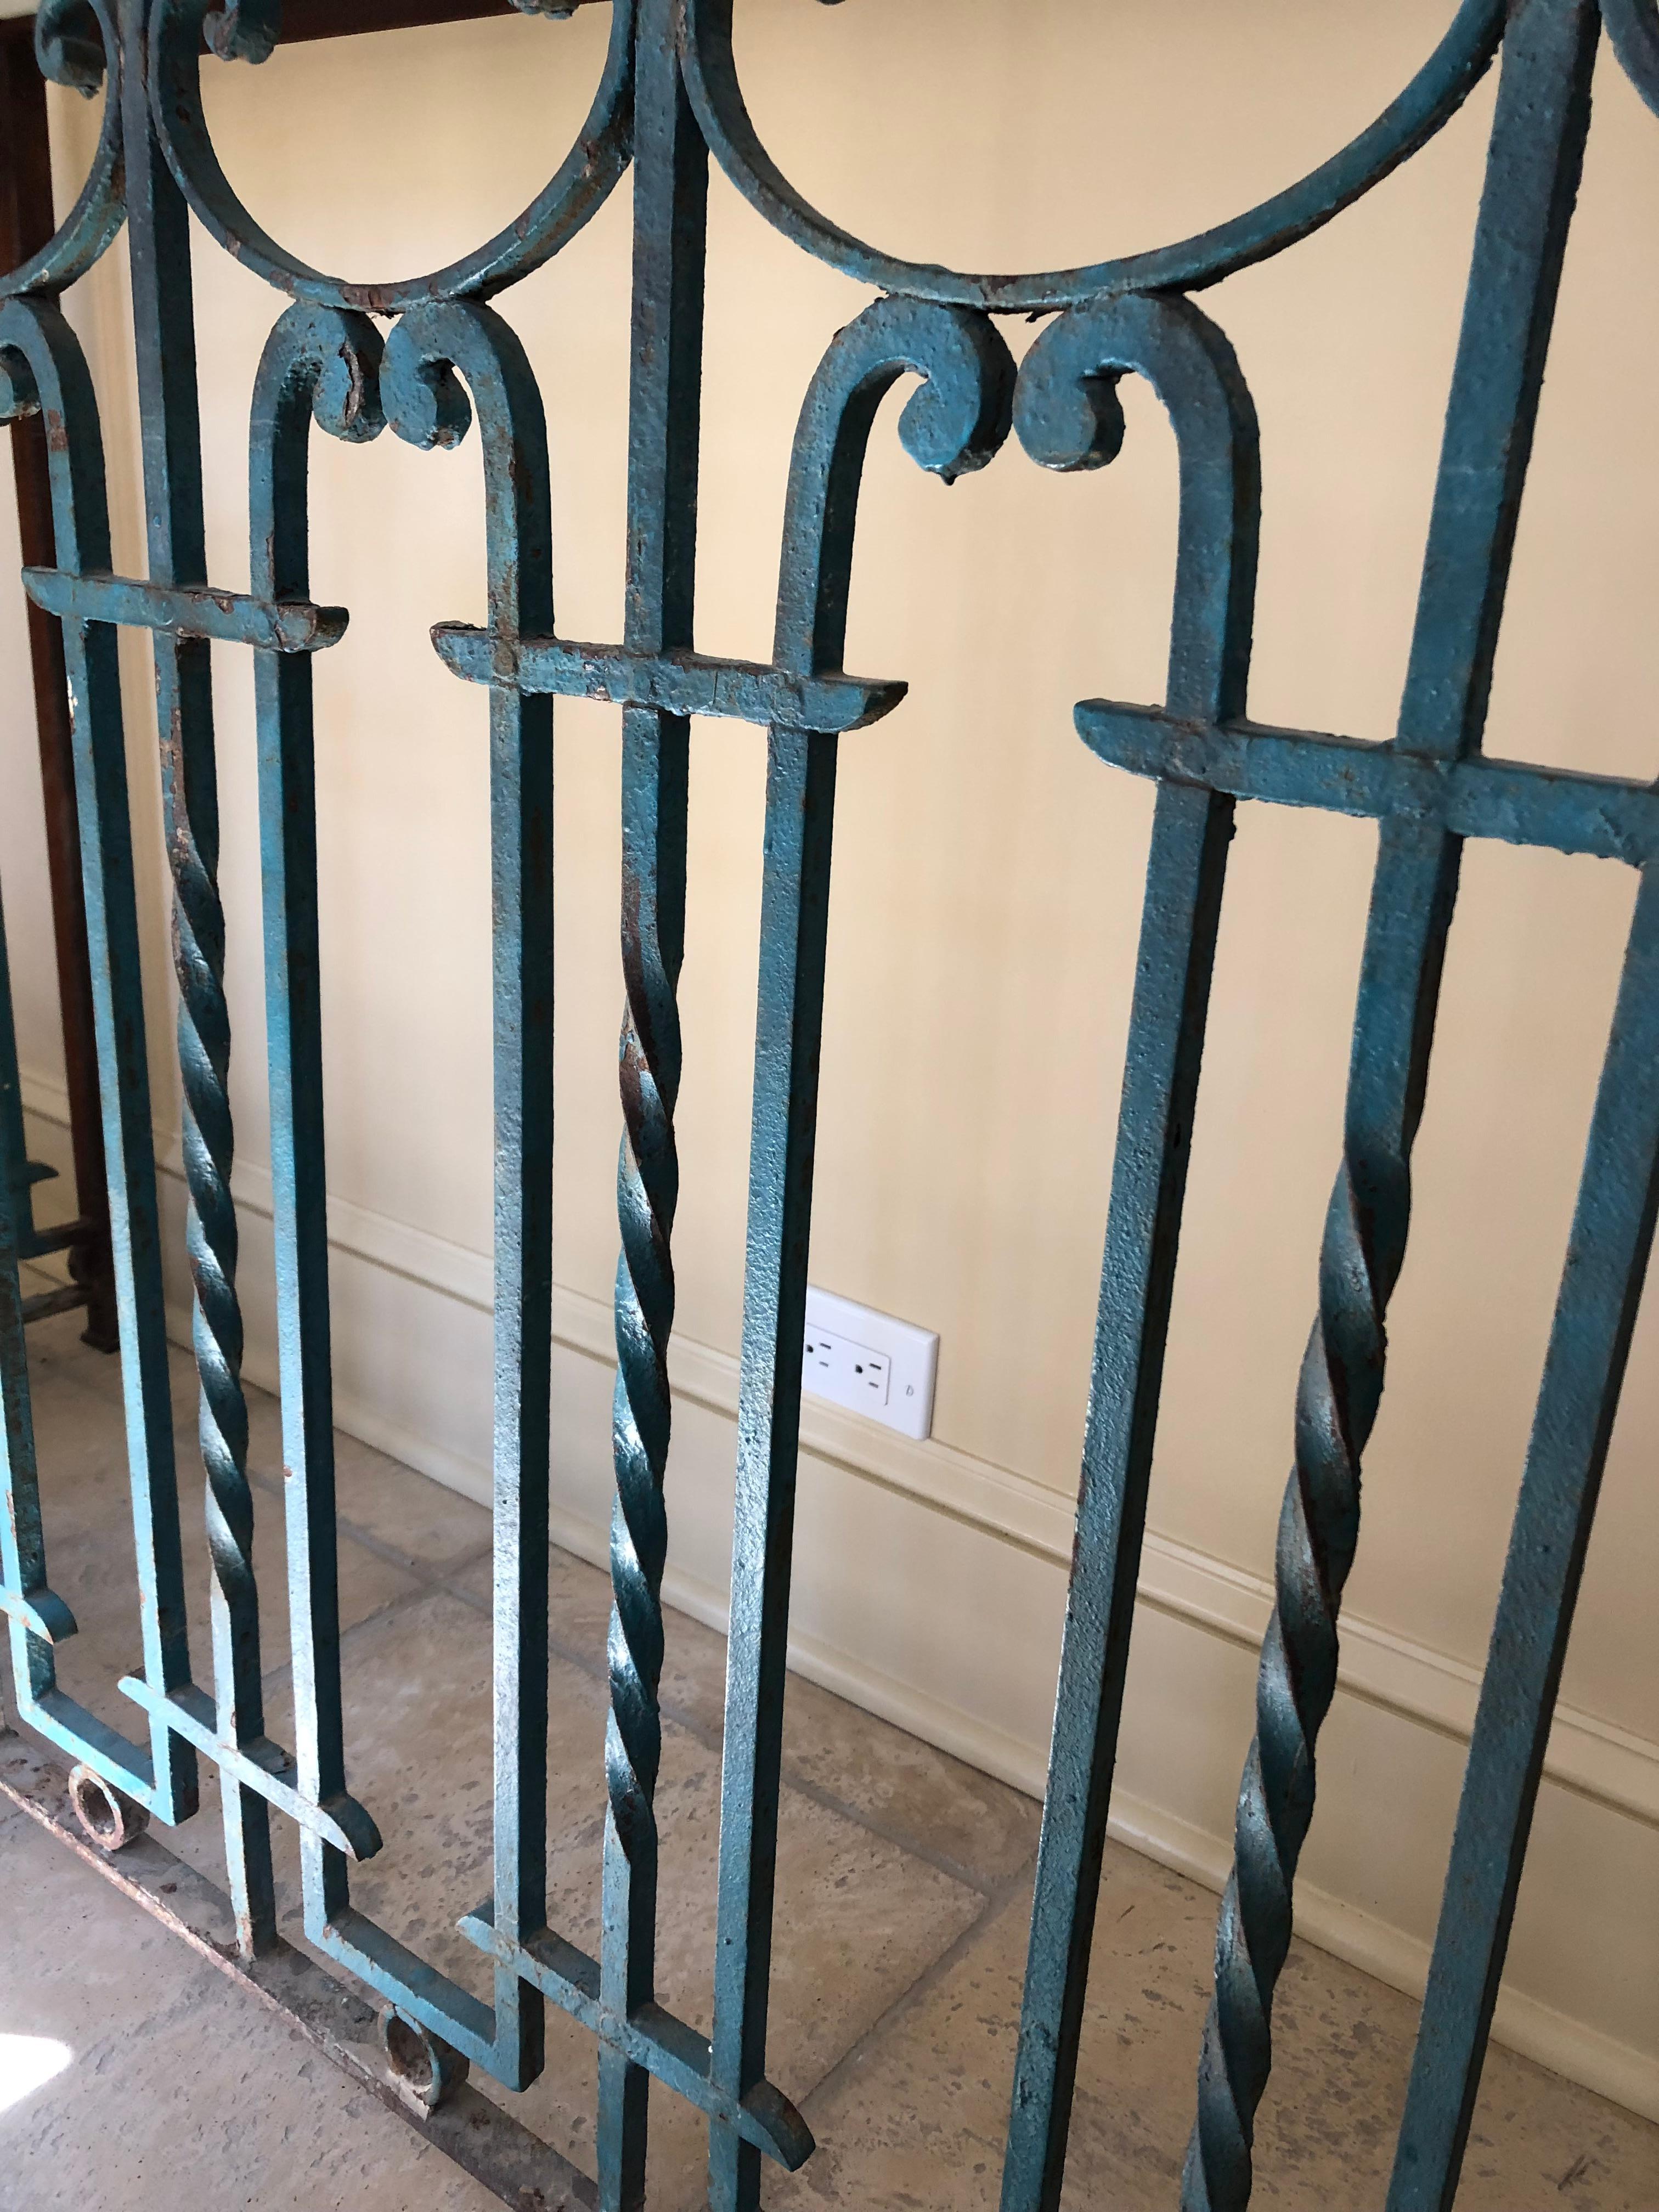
point(648, 1189)
point(211, 1239)
point(1338, 1392)
point(1539, 130)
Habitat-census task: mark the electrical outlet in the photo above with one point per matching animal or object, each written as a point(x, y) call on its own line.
point(870, 1363)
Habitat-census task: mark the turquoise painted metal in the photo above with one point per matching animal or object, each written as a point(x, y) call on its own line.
point(670, 97)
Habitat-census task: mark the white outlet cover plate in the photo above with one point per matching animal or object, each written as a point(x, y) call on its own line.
point(870, 1363)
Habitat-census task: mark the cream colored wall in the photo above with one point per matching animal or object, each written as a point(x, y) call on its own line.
point(988, 878)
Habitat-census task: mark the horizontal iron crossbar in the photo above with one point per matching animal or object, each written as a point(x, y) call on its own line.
point(1471, 796)
point(61, 1238)
point(187, 611)
point(68, 1298)
point(675, 682)
point(672, 2052)
point(259, 1764)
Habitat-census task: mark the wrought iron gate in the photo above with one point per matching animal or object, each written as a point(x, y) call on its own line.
point(669, 97)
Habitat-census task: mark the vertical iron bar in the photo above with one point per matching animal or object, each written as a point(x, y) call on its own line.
point(1185, 874)
point(26, 224)
point(670, 186)
point(952, 425)
point(22, 1541)
point(1192, 367)
point(287, 846)
point(521, 863)
point(329, 362)
point(800, 796)
point(164, 338)
point(280, 566)
point(16, 1179)
point(107, 881)
point(1583, 1372)
point(1532, 178)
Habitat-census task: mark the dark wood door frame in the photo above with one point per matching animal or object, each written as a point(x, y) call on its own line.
point(25, 223)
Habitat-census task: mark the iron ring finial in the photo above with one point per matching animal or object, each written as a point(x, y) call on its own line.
point(425, 2071)
point(106, 1815)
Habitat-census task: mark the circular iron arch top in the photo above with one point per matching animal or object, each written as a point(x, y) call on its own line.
point(575, 193)
point(1433, 95)
point(75, 43)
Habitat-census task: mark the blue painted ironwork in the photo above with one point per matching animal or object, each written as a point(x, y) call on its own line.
point(671, 196)
point(1069, 418)
point(1537, 142)
point(42, 367)
point(669, 97)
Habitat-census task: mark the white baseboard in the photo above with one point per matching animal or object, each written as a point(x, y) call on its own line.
point(1592, 1756)
point(1607, 1767)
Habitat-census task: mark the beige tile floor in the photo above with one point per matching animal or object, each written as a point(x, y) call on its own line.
point(903, 1892)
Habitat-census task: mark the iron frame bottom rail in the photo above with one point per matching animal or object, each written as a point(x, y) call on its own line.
point(468, 2127)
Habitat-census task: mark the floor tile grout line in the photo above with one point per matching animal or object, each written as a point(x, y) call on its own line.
point(432, 1579)
point(900, 2034)
point(65, 1373)
point(402, 1602)
point(435, 1574)
point(996, 1903)
point(885, 1832)
point(711, 1738)
point(445, 1579)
